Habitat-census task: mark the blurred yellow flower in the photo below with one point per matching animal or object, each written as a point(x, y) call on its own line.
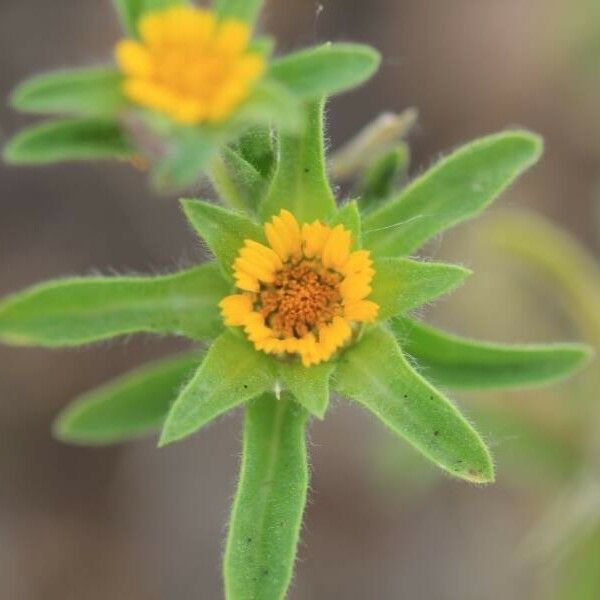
point(302, 294)
point(189, 65)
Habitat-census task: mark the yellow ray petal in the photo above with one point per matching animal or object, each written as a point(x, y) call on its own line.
point(235, 309)
point(337, 248)
point(355, 287)
point(363, 311)
point(357, 261)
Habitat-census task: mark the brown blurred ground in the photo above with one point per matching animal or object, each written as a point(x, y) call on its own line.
point(135, 523)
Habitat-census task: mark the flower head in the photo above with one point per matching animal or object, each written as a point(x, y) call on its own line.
point(188, 65)
point(303, 293)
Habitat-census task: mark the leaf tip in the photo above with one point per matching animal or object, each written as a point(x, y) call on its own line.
point(166, 437)
point(482, 473)
point(64, 428)
point(582, 355)
point(170, 434)
point(532, 143)
point(10, 152)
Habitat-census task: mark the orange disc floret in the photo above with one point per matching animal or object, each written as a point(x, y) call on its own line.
point(303, 293)
point(189, 65)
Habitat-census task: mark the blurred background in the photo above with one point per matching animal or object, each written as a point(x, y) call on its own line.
point(131, 522)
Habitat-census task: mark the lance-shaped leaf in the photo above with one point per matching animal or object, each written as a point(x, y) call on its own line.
point(223, 231)
point(269, 503)
point(300, 183)
point(232, 373)
point(79, 311)
point(394, 392)
point(133, 405)
point(402, 284)
point(308, 385)
point(93, 92)
point(244, 10)
point(349, 217)
point(457, 188)
point(380, 180)
point(78, 139)
point(237, 181)
point(456, 362)
point(130, 11)
point(325, 70)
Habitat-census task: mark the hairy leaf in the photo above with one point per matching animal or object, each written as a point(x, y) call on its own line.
point(132, 405)
point(71, 312)
point(256, 147)
point(411, 407)
point(457, 188)
point(456, 362)
point(325, 70)
point(349, 217)
point(238, 182)
point(402, 284)
point(267, 511)
point(309, 386)
point(300, 183)
point(94, 91)
point(232, 373)
point(223, 231)
point(77, 139)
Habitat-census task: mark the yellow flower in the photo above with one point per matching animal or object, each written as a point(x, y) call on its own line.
point(188, 65)
point(303, 294)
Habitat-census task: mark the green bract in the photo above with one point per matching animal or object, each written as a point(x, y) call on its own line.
point(100, 122)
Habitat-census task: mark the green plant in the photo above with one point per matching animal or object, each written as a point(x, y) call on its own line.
point(304, 297)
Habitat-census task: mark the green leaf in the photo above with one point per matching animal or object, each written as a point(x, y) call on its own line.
point(232, 373)
point(308, 385)
point(269, 103)
point(349, 217)
point(189, 153)
point(244, 10)
point(456, 362)
point(300, 183)
point(395, 393)
point(457, 188)
point(380, 180)
point(94, 91)
point(256, 147)
point(238, 182)
point(130, 11)
point(79, 311)
point(402, 284)
point(223, 231)
point(267, 511)
point(325, 70)
point(128, 407)
point(78, 139)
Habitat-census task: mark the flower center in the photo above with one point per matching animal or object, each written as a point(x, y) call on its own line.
point(303, 296)
point(303, 293)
